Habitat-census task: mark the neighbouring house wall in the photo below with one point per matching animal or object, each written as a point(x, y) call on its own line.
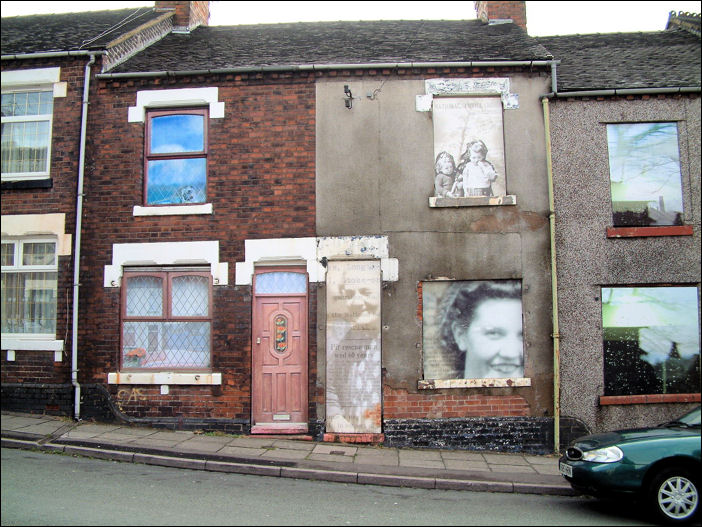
point(260, 184)
point(375, 172)
point(47, 207)
point(587, 259)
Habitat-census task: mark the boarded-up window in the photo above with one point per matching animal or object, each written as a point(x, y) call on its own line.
point(644, 171)
point(651, 340)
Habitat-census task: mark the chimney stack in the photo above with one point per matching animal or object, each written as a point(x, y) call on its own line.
point(491, 12)
point(188, 15)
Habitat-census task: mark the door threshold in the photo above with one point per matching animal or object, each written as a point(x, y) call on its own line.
point(279, 428)
point(294, 437)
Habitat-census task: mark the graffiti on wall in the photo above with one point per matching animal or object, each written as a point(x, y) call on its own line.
point(127, 396)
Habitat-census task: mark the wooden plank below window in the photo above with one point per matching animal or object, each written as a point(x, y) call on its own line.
point(607, 400)
point(635, 232)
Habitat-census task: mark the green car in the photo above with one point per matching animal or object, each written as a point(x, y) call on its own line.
point(660, 466)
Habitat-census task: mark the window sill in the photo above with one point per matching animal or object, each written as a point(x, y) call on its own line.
point(606, 400)
point(24, 183)
point(511, 382)
point(478, 201)
point(204, 378)
point(14, 344)
point(30, 344)
point(636, 232)
point(173, 210)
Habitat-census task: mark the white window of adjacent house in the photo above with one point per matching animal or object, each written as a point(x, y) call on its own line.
point(29, 287)
point(26, 132)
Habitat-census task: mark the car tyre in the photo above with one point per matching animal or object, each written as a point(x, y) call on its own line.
point(674, 494)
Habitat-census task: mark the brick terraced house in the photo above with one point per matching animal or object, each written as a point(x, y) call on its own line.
point(49, 64)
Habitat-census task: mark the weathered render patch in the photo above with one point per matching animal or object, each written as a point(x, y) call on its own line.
point(509, 221)
point(315, 252)
point(433, 384)
point(490, 86)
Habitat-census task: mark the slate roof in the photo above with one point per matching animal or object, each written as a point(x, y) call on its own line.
point(70, 31)
point(660, 59)
point(303, 43)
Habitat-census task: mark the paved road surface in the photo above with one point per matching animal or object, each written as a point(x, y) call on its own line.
point(55, 489)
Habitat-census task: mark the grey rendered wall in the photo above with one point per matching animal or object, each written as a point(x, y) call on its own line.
point(374, 177)
point(587, 260)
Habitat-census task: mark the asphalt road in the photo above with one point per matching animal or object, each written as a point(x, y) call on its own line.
point(56, 489)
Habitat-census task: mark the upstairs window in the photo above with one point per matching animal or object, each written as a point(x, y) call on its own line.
point(29, 284)
point(644, 169)
point(175, 164)
point(166, 319)
point(26, 133)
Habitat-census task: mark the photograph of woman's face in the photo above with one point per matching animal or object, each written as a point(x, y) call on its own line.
point(472, 329)
point(492, 341)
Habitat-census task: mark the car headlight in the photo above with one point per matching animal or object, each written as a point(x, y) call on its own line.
point(610, 454)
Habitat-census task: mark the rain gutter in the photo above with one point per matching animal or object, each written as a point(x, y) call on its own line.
point(52, 55)
point(622, 91)
point(79, 218)
point(327, 67)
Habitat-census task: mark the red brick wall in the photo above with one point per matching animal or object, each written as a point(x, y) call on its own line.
point(261, 183)
point(36, 367)
point(33, 366)
point(187, 14)
point(503, 10)
point(400, 404)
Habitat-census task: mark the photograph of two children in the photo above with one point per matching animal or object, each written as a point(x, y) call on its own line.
point(468, 147)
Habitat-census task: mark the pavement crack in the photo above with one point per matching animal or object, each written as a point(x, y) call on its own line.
point(57, 433)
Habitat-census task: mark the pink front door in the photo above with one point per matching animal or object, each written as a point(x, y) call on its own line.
point(279, 352)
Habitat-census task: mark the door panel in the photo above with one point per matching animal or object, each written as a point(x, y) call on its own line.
point(279, 369)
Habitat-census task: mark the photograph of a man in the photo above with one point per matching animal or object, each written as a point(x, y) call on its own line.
point(353, 387)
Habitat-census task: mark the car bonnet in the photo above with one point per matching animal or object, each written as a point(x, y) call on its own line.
point(602, 440)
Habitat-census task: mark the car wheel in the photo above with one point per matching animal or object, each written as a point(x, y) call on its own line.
point(675, 496)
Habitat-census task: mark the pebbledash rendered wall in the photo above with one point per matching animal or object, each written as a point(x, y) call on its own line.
point(375, 174)
point(587, 259)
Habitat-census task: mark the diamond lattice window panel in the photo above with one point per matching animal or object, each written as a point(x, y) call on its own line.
point(190, 296)
point(166, 344)
point(145, 296)
point(154, 334)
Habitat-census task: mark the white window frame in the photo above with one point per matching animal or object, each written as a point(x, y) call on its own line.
point(31, 341)
point(33, 80)
point(16, 226)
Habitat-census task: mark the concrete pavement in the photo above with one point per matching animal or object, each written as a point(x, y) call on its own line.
point(278, 456)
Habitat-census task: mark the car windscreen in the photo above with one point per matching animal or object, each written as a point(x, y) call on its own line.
point(689, 420)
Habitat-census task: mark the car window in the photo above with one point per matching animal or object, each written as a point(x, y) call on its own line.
point(690, 419)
